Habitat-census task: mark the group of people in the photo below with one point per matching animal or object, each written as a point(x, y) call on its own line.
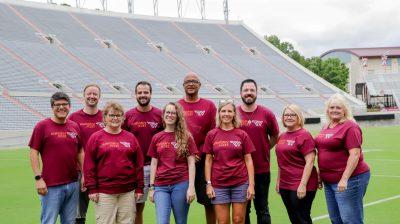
point(193, 149)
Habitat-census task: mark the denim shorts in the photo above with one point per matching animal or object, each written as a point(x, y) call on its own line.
point(226, 195)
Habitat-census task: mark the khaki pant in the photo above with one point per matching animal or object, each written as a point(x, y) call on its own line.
point(116, 208)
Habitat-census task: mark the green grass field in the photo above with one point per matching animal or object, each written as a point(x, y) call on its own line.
point(19, 202)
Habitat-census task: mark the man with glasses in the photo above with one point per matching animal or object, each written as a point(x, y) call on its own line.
point(90, 120)
point(200, 118)
point(58, 142)
point(144, 121)
point(260, 124)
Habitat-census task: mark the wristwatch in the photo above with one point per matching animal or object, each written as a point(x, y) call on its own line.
point(151, 186)
point(38, 177)
point(208, 182)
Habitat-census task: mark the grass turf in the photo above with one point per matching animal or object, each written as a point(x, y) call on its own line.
point(19, 202)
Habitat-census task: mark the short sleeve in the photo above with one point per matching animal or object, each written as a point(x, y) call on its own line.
point(248, 146)
point(36, 141)
point(273, 127)
point(153, 148)
point(213, 116)
point(208, 144)
point(192, 146)
point(353, 138)
point(307, 144)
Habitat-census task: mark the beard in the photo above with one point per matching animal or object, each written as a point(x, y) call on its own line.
point(144, 104)
point(249, 101)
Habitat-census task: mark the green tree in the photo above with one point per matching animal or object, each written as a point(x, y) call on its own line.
point(314, 64)
point(335, 72)
point(332, 69)
point(286, 47)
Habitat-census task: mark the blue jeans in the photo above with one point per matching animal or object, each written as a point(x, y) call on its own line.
point(171, 196)
point(347, 207)
point(63, 200)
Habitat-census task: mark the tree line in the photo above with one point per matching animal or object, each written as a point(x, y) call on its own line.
point(332, 69)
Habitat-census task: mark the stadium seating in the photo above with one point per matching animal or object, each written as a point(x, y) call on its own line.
point(47, 48)
point(379, 84)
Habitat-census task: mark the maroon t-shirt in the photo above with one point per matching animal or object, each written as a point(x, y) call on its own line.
point(333, 146)
point(228, 149)
point(200, 119)
point(58, 145)
point(171, 168)
point(113, 163)
point(291, 149)
point(144, 125)
point(259, 125)
point(88, 123)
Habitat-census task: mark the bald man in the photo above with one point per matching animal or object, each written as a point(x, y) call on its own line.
point(200, 118)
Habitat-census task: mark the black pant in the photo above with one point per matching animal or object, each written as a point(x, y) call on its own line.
point(261, 189)
point(200, 184)
point(83, 204)
point(299, 210)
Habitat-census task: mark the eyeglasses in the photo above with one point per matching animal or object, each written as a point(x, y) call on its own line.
point(191, 82)
point(59, 105)
point(114, 115)
point(290, 115)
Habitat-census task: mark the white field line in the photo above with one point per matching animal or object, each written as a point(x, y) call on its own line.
point(385, 160)
point(388, 176)
point(372, 150)
point(365, 205)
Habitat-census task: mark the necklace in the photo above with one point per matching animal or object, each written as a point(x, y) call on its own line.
point(249, 117)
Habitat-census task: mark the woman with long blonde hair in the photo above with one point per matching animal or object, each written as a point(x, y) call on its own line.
point(172, 168)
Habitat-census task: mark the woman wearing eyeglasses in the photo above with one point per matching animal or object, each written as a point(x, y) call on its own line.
point(229, 167)
point(172, 168)
point(113, 169)
point(297, 180)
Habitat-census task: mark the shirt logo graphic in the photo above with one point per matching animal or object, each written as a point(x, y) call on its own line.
point(235, 143)
point(126, 144)
point(72, 134)
point(328, 136)
point(290, 142)
point(153, 124)
point(257, 123)
point(200, 113)
point(100, 124)
point(174, 144)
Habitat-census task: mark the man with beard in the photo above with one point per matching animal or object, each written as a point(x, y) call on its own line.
point(58, 142)
point(200, 118)
point(260, 124)
point(143, 121)
point(90, 120)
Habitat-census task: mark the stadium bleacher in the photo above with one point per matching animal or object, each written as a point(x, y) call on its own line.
point(48, 48)
point(380, 84)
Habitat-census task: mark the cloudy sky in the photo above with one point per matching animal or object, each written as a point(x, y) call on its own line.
point(313, 26)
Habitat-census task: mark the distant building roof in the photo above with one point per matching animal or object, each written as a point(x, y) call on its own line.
point(369, 52)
